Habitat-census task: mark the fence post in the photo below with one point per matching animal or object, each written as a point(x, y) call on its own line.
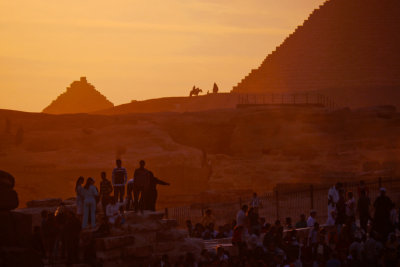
point(277, 203)
point(166, 213)
point(312, 196)
point(380, 182)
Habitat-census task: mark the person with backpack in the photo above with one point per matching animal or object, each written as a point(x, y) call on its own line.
point(141, 180)
point(119, 178)
point(105, 191)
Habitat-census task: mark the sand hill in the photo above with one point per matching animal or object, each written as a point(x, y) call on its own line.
point(347, 49)
point(202, 154)
point(80, 97)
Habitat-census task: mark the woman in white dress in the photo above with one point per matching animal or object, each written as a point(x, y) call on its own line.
point(79, 196)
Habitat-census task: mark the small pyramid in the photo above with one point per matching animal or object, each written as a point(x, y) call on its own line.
point(80, 97)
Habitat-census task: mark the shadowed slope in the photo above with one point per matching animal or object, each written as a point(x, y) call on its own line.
point(346, 48)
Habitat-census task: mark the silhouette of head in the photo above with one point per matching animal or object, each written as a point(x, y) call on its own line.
point(79, 182)
point(142, 163)
point(119, 163)
point(89, 182)
point(103, 175)
point(245, 208)
point(350, 194)
point(383, 191)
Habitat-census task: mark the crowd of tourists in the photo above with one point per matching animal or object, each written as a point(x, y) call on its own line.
point(353, 235)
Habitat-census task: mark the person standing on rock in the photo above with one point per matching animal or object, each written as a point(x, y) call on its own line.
point(129, 194)
point(119, 179)
point(150, 195)
point(333, 198)
point(105, 191)
point(141, 181)
point(79, 196)
point(89, 204)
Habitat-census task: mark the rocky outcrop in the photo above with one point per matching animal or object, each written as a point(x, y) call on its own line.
point(8, 196)
point(80, 97)
point(145, 238)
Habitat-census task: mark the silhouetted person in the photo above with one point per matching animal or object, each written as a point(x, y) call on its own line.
point(341, 208)
point(362, 187)
point(255, 203)
point(363, 209)
point(241, 215)
point(141, 179)
point(79, 196)
point(129, 194)
point(72, 234)
point(89, 204)
point(382, 205)
point(333, 198)
point(215, 88)
point(105, 191)
point(119, 178)
point(37, 242)
point(302, 223)
point(150, 195)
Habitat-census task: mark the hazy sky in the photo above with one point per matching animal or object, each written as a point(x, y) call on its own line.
point(131, 49)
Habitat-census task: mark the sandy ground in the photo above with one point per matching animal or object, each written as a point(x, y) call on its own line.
point(204, 155)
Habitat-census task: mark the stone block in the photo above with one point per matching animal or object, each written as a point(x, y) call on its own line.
point(109, 255)
point(112, 242)
point(145, 239)
point(151, 226)
point(48, 202)
point(8, 199)
point(7, 181)
point(138, 252)
point(163, 247)
point(169, 223)
point(171, 235)
point(193, 245)
point(137, 217)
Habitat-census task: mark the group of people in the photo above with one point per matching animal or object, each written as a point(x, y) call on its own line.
point(350, 237)
point(344, 209)
point(141, 194)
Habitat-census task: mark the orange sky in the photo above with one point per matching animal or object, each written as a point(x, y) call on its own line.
point(132, 49)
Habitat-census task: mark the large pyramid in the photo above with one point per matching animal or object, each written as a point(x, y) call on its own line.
point(80, 97)
point(346, 49)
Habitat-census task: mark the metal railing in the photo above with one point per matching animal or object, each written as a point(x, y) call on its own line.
point(306, 99)
point(280, 204)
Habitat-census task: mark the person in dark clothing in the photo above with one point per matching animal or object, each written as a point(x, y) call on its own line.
point(129, 195)
point(363, 209)
point(37, 242)
point(141, 179)
point(382, 205)
point(150, 193)
point(341, 208)
point(72, 233)
point(105, 191)
point(119, 179)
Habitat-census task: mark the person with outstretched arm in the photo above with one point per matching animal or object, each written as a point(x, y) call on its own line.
point(119, 178)
point(150, 195)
